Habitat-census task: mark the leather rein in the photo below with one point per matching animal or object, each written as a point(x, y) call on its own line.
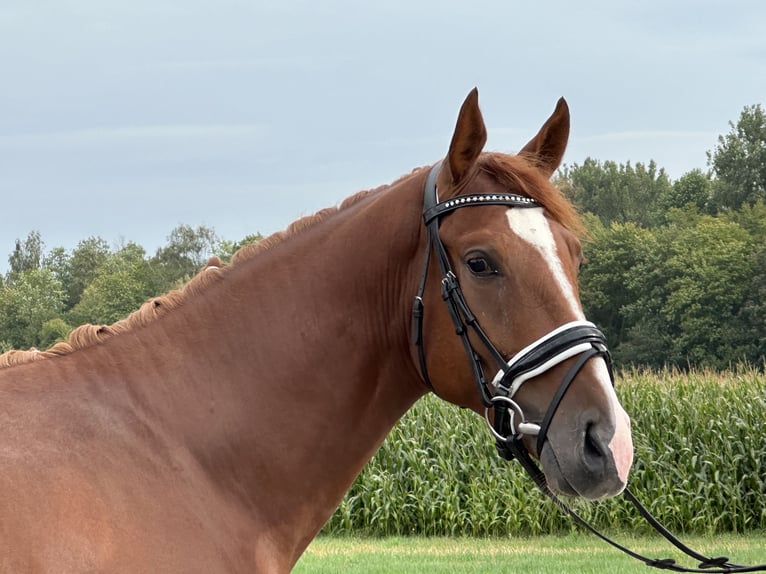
point(579, 339)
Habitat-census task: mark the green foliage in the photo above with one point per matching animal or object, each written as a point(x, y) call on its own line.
point(617, 193)
point(78, 270)
point(675, 273)
point(698, 450)
point(750, 217)
point(226, 249)
point(753, 311)
point(700, 466)
point(58, 262)
point(184, 255)
point(739, 161)
point(34, 297)
point(437, 473)
point(45, 294)
point(53, 331)
point(120, 286)
point(26, 256)
point(694, 188)
point(708, 267)
point(679, 294)
point(618, 261)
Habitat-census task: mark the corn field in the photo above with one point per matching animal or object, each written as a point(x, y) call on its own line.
point(700, 466)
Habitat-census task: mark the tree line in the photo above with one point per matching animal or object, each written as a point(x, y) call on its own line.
point(45, 294)
point(675, 271)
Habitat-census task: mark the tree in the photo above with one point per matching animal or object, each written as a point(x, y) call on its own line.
point(184, 255)
point(689, 292)
point(622, 291)
point(753, 312)
point(83, 265)
point(617, 193)
point(739, 161)
point(692, 188)
point(610, 256)
point(752, 218)
point(27, 255)
point(709, 268)
point(34, 297)
point(53, 331)
point(119, 287)
point(226, 249)
point(58, 262)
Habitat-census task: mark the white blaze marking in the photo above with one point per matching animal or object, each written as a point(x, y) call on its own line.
point(531, 225)
point(621, 444)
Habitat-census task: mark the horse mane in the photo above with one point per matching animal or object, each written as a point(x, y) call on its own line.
point(300, 225)
point(514, 172)
point(213, 271)
point(88, 335)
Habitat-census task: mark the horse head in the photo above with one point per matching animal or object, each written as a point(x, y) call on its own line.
point(508, 251)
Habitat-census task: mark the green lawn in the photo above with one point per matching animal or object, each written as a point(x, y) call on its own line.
point(545, 554)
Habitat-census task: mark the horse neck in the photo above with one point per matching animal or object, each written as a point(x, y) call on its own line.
point(296, 365)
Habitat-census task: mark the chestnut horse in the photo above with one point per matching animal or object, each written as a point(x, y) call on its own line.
point(217, 428)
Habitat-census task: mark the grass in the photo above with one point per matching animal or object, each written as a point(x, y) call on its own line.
point(532, 555)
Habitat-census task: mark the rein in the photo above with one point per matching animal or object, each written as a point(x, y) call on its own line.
point(579, 339)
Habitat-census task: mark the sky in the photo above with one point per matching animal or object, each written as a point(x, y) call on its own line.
point(126, 118)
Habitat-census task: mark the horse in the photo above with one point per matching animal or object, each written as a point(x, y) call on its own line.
point(217, 428)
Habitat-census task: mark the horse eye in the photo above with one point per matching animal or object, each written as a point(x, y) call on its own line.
point(480, 266)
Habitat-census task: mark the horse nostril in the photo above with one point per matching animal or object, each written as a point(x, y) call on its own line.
point(594, 447)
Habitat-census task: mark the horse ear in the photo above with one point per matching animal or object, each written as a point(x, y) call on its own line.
point(467, 142)
point(546, 149)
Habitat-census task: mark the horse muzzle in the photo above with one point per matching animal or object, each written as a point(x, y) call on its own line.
point(589, 451)
point(590, 458)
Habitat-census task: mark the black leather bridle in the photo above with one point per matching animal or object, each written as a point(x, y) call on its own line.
point(579, 339)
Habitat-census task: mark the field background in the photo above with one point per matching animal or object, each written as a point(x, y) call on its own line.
point(436, 497)
point(700, 467)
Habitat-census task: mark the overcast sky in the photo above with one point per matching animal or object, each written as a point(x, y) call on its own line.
point(125, 118)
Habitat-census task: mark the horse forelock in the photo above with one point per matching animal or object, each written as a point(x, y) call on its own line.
point(518, 173)
point(214, 270)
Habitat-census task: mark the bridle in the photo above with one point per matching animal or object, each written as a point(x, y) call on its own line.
point(579, 339)
point(576, 339)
